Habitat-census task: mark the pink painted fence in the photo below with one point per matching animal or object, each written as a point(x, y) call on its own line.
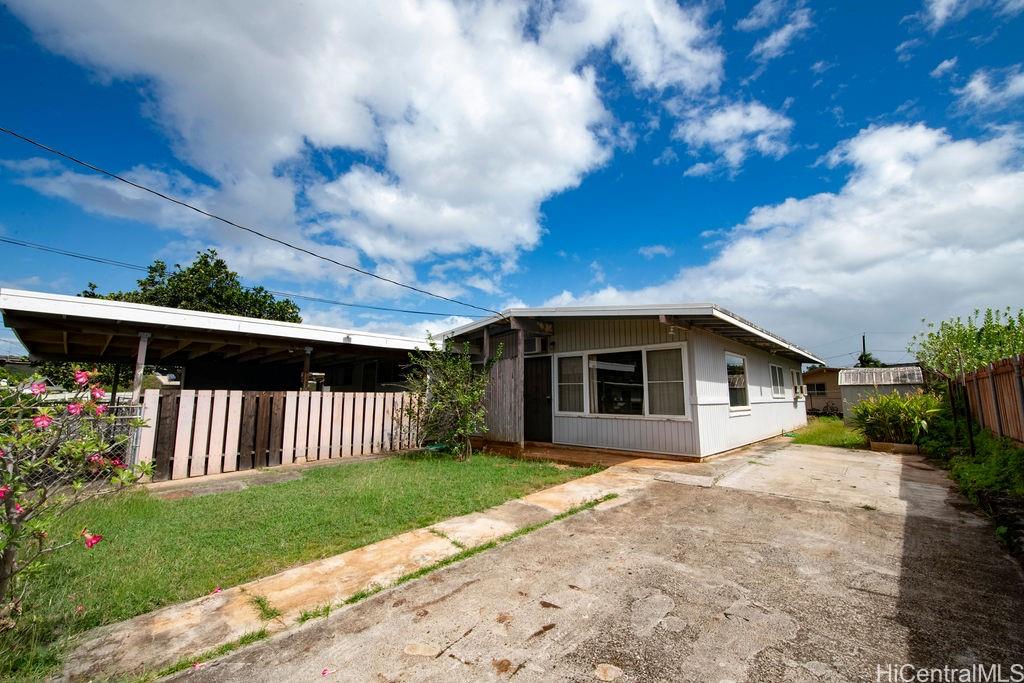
point(193, 433)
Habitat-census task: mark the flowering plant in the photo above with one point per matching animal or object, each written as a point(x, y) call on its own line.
point(53, 456)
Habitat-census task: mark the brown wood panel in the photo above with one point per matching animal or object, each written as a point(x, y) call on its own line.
point(262, 429)
point(247, 438)
point(277, 407)
point(167, 429)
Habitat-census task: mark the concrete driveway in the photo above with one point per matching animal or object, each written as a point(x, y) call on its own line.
point(800, 563)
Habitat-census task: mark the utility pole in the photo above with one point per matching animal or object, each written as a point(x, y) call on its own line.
point(863, 345)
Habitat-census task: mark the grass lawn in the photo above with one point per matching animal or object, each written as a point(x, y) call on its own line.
point(830, 431)
point(159, 552)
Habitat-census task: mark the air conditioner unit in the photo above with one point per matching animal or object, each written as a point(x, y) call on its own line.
point(536, 345)
point(800, 390)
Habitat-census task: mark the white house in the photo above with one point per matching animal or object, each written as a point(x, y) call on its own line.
point(689, 380)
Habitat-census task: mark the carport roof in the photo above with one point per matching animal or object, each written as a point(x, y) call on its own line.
point(59, 327)
point(709, 317)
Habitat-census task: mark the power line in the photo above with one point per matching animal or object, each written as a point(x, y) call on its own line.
point(233, 224)
point(290, 295)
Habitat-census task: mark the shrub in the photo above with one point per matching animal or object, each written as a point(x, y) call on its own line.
point(53, 456)
point(895, 417)
point(448, 393)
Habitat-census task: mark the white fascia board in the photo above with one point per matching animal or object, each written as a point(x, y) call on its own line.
point(744, 325)
point(143, 314)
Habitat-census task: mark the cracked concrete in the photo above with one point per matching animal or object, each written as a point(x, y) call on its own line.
point(777, 572)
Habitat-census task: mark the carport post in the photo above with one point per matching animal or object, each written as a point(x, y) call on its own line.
point(140, 367)
point(305, 368)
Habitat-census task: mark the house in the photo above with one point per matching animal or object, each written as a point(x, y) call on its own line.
point(212, 350)
point(856, 384)
point(823, 396)
point(687, 380)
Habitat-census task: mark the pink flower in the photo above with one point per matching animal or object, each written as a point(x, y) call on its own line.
point(116, 462)
point(42, 421)
point(98, 393)
point(101, 408)
point(79, 609)
point(95, 458)
point(4, 490)
point(90, 539)
point(18, 508)
point(38, 388)
point(198, 665)
point(328, 672)
point(81, 377)
point(75, 408)
point(216, 590)
point(2, 452)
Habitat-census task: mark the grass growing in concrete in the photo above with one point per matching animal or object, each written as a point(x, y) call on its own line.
point(266, 610)
point(830, 431)
point(159, 552)
point(219, 651)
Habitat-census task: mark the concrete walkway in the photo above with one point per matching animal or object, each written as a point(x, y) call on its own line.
point(784, 562)
point(157, 639)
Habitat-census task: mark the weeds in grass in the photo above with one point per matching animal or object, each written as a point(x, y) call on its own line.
point(219, 651)
point(266, 610)
point(315, 613)
point(440, 534)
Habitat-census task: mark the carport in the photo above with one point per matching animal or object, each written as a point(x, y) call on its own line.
point(215, 351)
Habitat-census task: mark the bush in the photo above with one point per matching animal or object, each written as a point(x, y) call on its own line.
point(830, 431)
point(895, 417)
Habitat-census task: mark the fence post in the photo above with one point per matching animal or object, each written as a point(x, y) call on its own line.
point(995, 398)
point(1018, 382)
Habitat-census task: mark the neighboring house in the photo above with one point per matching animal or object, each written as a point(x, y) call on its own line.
point(690, 380)
point(823, 395)
point(856, 384)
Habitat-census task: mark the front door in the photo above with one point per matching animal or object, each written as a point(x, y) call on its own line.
point(537, 399)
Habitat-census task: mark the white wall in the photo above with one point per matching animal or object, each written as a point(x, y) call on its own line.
point(721, 428)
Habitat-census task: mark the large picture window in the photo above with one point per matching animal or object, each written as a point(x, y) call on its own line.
point(617, 383)
point(736, 372)
point(666, 390)
point(570, 384)
point(647, 381)
point(778, 381)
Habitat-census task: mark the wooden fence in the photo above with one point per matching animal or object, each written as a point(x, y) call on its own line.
point(193, 433)
point(996, 397)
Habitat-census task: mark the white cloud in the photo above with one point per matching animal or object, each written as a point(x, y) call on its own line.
point(944, 67)
point(904, 51)
point(733, 132)
point(763, 14)
point(418, 91)
point(597, 274)
point(937, 13)
point(777, 42)
point(652, 250)
point(821, 66)
point(701, 168)
point(925, 226)
point(992, 90)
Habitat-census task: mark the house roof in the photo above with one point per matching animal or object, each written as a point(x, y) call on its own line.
point(711, 317)
point(859, 377)
point(56, 327)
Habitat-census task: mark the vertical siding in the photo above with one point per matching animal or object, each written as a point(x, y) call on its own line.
point(504, 406)
point(720, 428)
point(575, 334)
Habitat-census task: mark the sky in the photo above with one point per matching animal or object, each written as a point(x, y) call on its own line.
point(824, 171)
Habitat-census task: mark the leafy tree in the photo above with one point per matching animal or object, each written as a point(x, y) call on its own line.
point(868, 360)
point(53, 456)
point(447, 407)
point(206, 284)
point(954, 346)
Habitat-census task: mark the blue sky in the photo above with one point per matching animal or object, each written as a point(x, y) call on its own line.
point(822, 171)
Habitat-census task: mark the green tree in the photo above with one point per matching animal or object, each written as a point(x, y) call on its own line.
point(447, 407)
point(206, 284)
point(955, 345)
point(868, 360)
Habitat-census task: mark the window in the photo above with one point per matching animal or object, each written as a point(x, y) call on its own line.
point(797, 379)
point(778, 381)
point(570, 384)
point(617, 383)
point(666, 392)
point(736, 372)
point(817, 389)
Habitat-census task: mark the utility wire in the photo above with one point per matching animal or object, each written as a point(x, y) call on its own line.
point(233, 224)
point(290, 295)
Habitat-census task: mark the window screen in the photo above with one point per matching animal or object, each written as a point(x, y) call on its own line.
point(570, 384)
point(736, 372)
point(617, 383)
point(665, 394)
